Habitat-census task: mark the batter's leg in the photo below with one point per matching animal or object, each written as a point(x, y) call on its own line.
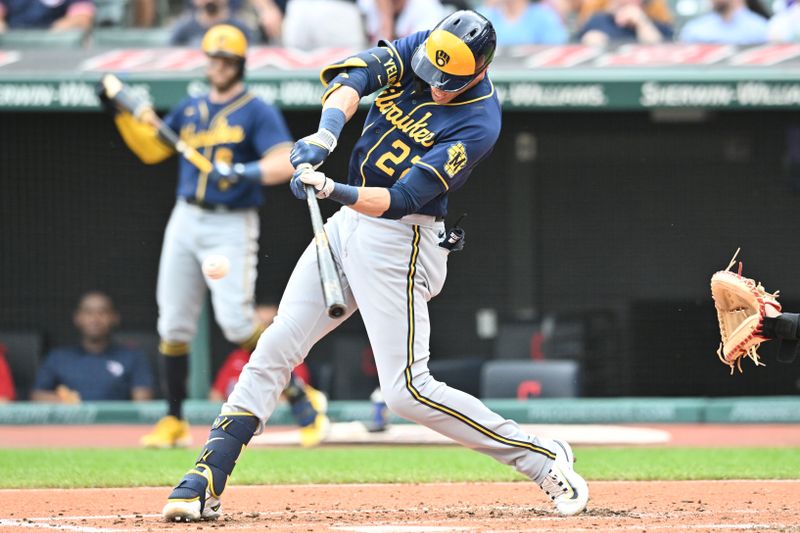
point(392, 289)
point(302, 319)
point(179, 293)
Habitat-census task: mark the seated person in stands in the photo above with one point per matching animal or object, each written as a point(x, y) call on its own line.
point(395, 19)
point(98, 368)
point(6, 382)
point(524, 22)
point(784, 26)
point(192, 26)
point(729, 22)
point(624, 21)
point(58, 15)
point(308, 405)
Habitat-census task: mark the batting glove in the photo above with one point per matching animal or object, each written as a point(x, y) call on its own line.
point(314, 149)
point(221, 171)
point(321, 183)
point(239, 172)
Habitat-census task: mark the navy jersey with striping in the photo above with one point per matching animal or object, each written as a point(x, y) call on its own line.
point(238, 131)
point(405, 128)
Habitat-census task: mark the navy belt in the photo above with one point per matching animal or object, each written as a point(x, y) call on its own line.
point(216, 208)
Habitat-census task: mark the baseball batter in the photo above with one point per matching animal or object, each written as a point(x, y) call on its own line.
point(436, 118)
point(216, 214)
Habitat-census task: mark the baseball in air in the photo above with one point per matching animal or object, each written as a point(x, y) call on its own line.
point(216, 266)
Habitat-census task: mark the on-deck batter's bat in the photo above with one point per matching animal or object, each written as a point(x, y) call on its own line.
point(125, 100)
point(329, 276)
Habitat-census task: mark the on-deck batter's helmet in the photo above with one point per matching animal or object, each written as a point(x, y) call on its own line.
point(458, 49)
point(224, 40)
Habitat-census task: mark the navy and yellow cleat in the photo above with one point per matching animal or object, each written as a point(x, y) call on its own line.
point(191, 500)
point(565, 487)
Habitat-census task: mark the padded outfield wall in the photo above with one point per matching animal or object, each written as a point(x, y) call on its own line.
point(621, 181)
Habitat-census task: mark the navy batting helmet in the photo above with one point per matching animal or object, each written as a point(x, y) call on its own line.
point(458, 49)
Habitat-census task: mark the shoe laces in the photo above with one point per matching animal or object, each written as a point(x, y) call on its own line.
point(554, 485)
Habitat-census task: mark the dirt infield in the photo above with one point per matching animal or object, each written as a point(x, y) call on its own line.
point(123, 436)
point(479, 507)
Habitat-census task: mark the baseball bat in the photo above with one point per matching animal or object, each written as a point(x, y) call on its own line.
point(329, 276)
point(124, 99)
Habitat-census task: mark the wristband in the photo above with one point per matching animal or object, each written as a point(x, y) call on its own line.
point(344, 194)
point(333, 120)
point(249, 171)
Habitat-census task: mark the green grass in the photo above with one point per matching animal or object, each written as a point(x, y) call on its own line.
point(28, 468)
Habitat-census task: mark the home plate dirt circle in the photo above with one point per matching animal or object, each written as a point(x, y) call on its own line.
point(395, 508)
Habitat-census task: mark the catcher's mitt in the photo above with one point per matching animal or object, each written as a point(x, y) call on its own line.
point(741, 308)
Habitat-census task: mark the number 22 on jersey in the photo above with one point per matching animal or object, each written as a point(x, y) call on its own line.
point(391, 160)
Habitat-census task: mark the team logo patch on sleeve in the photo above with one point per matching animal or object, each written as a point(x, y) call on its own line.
point(456, 159)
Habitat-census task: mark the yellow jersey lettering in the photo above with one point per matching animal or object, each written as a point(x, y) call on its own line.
point(416, 129)
point(220, 133)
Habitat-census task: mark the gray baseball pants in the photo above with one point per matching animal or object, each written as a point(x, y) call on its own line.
point(389, 270)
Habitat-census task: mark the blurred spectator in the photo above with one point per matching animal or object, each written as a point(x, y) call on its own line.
point(312, 24)
point(270, 17)
point(58, 15)
point(144, 13)
point(729, 22)
point(656, 10)
point(625, 21)
point(525, 22)
point(192, 26)
point(568, 10)
point(394, 19)
point(97, 369)
point(784, 27)
point(6, 382)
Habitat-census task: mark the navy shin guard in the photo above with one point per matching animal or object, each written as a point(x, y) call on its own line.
point(229, 435)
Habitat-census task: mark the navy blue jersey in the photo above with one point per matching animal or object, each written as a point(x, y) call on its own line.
point(109, 375)
point(238, 131)
point(405, 128)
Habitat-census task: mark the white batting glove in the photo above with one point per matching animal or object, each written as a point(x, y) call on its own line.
point(321, 183)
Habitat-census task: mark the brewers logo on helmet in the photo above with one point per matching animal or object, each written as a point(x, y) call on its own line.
point(458, 49)
point(225, 40)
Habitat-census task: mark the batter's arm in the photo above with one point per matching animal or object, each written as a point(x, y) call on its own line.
point(345, 99)
point(372, 201)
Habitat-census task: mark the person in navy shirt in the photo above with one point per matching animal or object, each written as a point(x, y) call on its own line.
point(625, 21)
point(97, 368)
point(56, 14)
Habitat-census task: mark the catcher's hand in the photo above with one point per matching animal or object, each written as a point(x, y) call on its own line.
point(742, 304)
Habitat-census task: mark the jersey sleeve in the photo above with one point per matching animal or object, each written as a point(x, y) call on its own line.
point(451, 160)
point(174, 119)
point(268, 129)
point(47, 375)
point(405, 48)
point(141, 374)
point(446, 166)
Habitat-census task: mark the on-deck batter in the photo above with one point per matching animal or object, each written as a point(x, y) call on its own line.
point(215, 214)
point(436, 119)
